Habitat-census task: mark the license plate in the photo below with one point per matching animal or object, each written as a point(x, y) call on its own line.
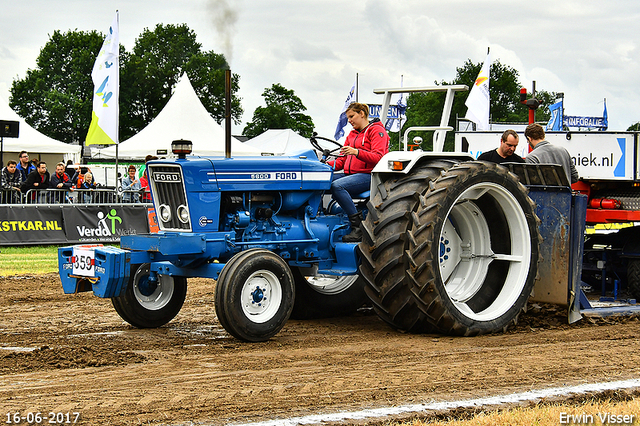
point(83, 261)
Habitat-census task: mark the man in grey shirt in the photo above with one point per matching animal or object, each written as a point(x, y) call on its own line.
point(544, 152)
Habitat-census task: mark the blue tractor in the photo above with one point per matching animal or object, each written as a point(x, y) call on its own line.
point(450, 245)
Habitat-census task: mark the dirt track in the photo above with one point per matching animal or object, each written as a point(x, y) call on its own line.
point(62, 353)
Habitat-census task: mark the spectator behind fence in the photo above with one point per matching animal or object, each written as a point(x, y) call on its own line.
point(11, 180)
point(131, 186)
point(78, 176)
point(69, 169)
point(38, 179)
point(60, 180)
point(144, 180)
point(24, 166)
point(87, 185)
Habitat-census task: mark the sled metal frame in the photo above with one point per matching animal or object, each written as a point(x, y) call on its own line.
point(543, 180)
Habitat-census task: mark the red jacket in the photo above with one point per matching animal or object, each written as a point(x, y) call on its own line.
point(372, 143)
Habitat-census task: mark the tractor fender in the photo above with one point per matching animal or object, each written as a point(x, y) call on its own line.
point(408, 160)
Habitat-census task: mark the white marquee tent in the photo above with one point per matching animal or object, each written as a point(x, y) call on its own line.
point(35, 143)
point(279, 142)
point(183, 117)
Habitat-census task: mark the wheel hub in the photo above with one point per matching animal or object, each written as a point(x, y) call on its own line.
point(152, 294)
point(147, 287)
point(261, 295)
point(258, 295)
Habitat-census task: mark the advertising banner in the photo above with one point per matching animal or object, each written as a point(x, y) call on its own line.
point(587, 122)
point(31, 225)
point(61, 224)
point(393, 112)
point(104, 224)
point(596, 155)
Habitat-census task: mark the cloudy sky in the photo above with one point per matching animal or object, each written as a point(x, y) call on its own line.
point(586, 49)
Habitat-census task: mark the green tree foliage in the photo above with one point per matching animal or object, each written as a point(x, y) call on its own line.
point(635, 127)
point(425, 109)
point(283, 111)
point(154, 67)
point(55, 97)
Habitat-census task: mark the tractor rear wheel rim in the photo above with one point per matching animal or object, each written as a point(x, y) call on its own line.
point(331, 284)
point(466, 250)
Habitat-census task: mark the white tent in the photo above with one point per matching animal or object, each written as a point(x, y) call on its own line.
point(35, 143)
point(279, 142)
point(183, 117)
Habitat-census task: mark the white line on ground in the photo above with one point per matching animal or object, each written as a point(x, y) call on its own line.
point(448, 405)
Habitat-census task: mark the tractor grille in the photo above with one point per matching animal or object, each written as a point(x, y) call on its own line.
point(169, 197)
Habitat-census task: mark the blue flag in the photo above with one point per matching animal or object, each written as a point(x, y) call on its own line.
point(395, 124)
point(605, 116)
point(342, 121)
point(555, 122)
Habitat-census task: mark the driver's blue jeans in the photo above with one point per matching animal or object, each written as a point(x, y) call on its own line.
point(345, 187)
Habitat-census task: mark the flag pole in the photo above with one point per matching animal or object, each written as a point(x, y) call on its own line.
point(118, 98)
point(357, 87)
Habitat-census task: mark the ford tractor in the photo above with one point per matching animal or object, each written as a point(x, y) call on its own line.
point(450, 245)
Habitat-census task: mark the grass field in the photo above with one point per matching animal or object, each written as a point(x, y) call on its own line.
point(587, 412)
point(28, 260)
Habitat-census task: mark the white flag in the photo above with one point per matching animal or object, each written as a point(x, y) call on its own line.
point(106, 80)
point(478, 99)
point(342, 120)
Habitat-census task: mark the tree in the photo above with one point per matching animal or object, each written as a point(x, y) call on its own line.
point(152, 70)
point(283, 111)
point(56, 96)
point(634, 127)
point(425, 109)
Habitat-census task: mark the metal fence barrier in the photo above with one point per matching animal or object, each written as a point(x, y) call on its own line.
point(76, 196)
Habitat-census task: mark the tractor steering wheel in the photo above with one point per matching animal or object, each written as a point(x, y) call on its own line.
point(325, 152)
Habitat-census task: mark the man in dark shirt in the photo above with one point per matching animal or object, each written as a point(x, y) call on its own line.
point(38, 179)
point(505, 152)
point(11, 181)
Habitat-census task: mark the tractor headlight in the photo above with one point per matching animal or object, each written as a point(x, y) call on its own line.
point(165, 213)
point(183, 214)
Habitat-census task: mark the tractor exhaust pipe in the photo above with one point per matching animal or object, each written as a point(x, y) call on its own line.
point(227, 113)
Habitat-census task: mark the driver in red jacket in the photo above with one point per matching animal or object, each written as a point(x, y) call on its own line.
point(364, 147)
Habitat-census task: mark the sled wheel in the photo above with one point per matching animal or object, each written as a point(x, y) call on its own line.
point(146, 304)
point(323, 296)
point(385, 242)
point(254, 295)
point(473, 250)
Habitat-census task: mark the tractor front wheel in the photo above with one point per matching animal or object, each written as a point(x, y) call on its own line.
point(254, 295)
point(149, 304)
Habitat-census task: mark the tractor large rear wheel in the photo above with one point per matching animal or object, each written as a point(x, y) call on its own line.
point(471, 257)
point(385, 243)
